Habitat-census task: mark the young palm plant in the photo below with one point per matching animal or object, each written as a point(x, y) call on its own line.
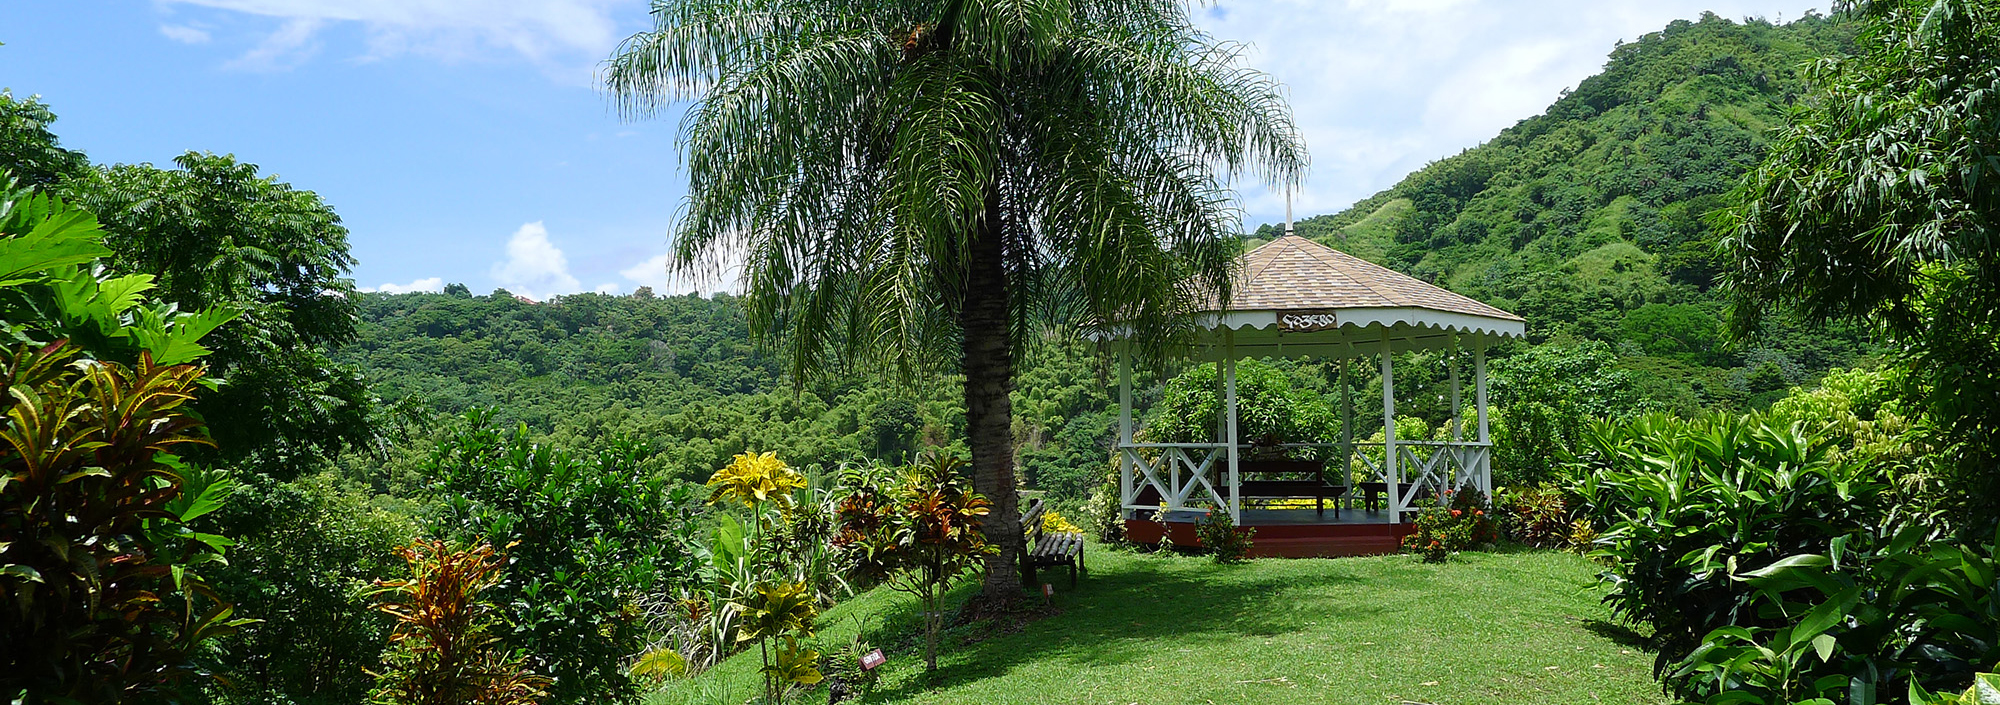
point(937, 184)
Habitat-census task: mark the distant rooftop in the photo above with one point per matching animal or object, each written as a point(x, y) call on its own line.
point(1293, 273)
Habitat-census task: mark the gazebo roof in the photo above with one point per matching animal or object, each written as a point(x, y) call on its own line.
point(1293, 273)
point(1297, 298)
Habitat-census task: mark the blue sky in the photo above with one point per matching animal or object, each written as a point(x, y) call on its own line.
point(464, 140)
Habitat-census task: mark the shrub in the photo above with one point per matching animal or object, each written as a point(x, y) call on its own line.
point(306, 554)
point(1534, 516)
point(443, 650)
point(1104, 515)
point(1458, 526)
point(1224, 541)
point(1867, 624)
point(100, 596)
point(591, 534)
point(919, 534)
point(1773, 570)
point(1689, 504)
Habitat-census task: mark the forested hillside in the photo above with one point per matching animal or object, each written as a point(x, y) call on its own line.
point(231, 478)
point(680, 374)
point(1588, 219)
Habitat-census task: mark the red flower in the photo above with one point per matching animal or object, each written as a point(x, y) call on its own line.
point(1455, 512)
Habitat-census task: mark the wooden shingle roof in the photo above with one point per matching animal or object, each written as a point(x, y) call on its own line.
point(1293, 273)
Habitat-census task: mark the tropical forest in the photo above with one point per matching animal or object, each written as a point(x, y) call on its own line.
point(1684, 389)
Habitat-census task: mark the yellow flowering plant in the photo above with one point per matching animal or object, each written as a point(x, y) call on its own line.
point(752, 479)
point(1055, 523)
point(783, 610)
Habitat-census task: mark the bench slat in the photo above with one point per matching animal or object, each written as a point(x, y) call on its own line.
point(1033, 516)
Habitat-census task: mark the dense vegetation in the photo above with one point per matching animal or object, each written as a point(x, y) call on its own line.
point(191, 376)
point(1588, 219)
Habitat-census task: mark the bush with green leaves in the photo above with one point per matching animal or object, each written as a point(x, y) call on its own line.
point(1104, 515)
point(1874, 418)
point(589, 533)
point(1545, 397)
point(1461, 524)
point(1875, 619)
point(1687, 504)
point(1269, 407)
point(1226, 543)
point(1771, 568)
point(306, 554)
point(102, 589)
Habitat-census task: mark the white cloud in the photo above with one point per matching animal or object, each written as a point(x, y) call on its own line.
point(184, 34)
point(570, 32)
point(290, 46)
point(653, 273)
point(1382, 88)
point(535, 267)
point(426, 284)
point(608, 288)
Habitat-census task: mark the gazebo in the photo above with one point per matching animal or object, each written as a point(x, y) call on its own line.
point(1297, 298)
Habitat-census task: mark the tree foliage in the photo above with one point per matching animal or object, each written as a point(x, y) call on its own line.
point(97, 555)
point(28, 149)
point(1269, 407)
point(1550, 395)
point(216, 234)
point(1880, 201)
point(588, 533)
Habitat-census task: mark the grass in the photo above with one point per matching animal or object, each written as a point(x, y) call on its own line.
point(1515, 627)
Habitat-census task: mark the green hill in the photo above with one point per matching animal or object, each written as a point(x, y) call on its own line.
point(1587, 219)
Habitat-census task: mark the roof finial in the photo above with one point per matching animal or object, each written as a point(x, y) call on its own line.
point(1288, 212)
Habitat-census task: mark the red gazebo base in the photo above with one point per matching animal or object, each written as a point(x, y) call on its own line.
point(1291, 533)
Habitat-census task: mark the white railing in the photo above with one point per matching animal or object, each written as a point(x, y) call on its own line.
point(1424, 470)
point(1176, 471)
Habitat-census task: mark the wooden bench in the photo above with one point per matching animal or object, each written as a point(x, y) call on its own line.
point(1314, 486)
point(1376, 490)
point(1048, 549)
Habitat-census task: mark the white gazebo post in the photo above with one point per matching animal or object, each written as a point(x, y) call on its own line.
point(1125, 492)
point(1346, 425)
point(1389, 477)
point(1458, 454)
point(1485, 442)
point(1229, 391)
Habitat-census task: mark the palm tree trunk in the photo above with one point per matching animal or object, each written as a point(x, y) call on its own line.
point(988, 363)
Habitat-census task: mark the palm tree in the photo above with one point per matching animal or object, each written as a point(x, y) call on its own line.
point(933, 185)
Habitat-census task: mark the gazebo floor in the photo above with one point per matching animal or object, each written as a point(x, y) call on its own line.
point(1290, 533)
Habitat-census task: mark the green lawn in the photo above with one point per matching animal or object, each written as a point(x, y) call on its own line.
point(1485, 628)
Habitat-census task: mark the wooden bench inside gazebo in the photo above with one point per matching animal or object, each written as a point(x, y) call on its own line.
point(1297, 298)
